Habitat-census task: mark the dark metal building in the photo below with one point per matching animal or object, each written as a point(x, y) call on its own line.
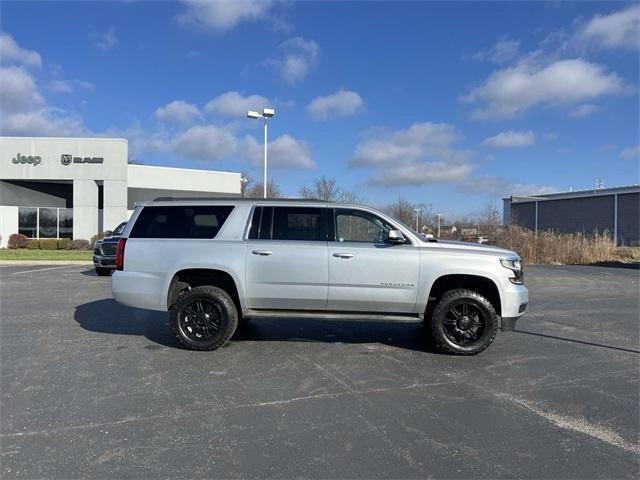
point(615, 210)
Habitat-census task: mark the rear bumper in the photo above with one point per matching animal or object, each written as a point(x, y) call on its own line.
point(140, 290)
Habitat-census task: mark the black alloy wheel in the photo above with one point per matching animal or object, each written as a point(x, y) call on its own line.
point(204, 317)
point(463, 322)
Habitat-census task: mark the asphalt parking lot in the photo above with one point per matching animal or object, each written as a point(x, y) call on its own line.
point(93, 389)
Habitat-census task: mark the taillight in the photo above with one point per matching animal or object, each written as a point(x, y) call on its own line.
point(120, 254)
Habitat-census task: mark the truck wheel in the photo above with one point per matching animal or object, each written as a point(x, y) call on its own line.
point(204, 318)
point(463, 323)
point(103, 272)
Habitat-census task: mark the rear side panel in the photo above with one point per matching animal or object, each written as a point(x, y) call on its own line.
point(151, 263)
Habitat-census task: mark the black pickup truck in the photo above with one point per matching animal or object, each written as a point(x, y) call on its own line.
point(104, 252)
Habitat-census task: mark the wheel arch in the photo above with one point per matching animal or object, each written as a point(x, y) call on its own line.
point(485, 286)
point(195, 277)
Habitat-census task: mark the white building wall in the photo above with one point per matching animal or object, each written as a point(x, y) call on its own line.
point(183, 179)
point(8, 224)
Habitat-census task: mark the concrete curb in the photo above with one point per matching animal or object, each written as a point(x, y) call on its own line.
point(27, 263)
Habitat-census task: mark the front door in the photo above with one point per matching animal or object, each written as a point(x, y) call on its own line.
point(366, 273)
point(287, 258)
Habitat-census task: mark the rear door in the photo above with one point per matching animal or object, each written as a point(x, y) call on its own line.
point(366, 273)
point(287, 258)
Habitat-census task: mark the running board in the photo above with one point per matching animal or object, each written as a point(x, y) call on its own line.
point(323, 315)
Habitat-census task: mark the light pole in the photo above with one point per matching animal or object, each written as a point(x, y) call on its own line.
point(417, 210)
point(266, 114)
point(438, 215)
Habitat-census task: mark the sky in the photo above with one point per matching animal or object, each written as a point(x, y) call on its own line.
point(451, 104)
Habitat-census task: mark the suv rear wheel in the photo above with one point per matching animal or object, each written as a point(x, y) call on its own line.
point(204, 318)
point(463, 322)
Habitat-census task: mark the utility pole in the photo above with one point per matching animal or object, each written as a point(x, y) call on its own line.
point(417, 210)
point(438, 215)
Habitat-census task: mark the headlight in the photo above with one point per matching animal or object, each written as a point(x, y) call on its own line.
point(515, 265)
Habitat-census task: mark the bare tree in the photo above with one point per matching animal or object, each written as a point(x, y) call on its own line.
point(257, 190)
point(489, 220)
point(405, 211)
point(325, 188)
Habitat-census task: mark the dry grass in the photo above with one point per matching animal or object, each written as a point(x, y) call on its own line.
point(560, 249)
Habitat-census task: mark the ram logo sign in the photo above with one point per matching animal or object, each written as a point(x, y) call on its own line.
point(67, 159)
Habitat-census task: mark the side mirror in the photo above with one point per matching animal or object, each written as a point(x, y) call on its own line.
point(396, 237)
point(107, 233)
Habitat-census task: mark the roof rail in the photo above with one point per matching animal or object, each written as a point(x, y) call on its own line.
point(239, 199)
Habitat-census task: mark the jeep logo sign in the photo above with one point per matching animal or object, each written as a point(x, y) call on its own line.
point(67, 159)
point(33, 160)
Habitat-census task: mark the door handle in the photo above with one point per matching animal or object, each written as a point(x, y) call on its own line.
point(343, 255)
point(262, 253)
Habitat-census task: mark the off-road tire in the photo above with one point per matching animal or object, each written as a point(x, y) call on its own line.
point(228, 321)
point(103, 272)
point(489, 320)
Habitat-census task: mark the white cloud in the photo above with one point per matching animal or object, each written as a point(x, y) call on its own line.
point(489, 184)
point(10, 52)
point(619, 29)
point(60, 86)
point(584, 110)
point(23, 109)
point(505, 50)
point(18, 91)
point(630, 152)
point(223, 15)
point(178, 112)
point(549, 135)
point(106, 40)
point(284, 152)
point(299, 56)
point(510, 139)
point(205, 143)
point(422, 174)
point(343, 103)
point(42, 123)
point(423, 153)
point(421, 141)
point(234, 104)
point(511, 91)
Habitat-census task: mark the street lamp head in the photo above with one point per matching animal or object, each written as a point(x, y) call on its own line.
point(268, 112)
point(252, 114)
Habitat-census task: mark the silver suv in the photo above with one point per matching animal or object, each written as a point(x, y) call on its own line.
point(212, 263)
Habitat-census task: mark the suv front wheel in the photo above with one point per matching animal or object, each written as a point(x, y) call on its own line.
point(463, 322)
point(204, 318)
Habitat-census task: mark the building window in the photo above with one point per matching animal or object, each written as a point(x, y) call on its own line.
point(36, 222)
point(65, 223)
point(48, 223)
point(28, 222)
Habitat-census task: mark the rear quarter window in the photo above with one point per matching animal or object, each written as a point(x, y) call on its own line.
point(180, 221)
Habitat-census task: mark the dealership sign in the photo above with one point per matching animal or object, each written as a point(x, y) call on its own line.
point(67, 159)
point(31, 159)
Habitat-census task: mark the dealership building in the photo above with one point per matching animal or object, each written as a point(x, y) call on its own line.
point(77, 187)
point(615, 210)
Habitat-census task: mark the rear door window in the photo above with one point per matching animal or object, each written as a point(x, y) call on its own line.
point(299, 223)
point(180, 221)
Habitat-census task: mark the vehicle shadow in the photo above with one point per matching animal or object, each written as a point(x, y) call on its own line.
point(582, 342)
point(409, 335)
point(631, 266)
point(108, 316)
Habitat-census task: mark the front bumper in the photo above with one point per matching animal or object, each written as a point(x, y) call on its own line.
point(100, 261)
point(515, 299)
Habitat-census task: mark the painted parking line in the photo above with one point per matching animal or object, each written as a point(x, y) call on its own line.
point(43, 269)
